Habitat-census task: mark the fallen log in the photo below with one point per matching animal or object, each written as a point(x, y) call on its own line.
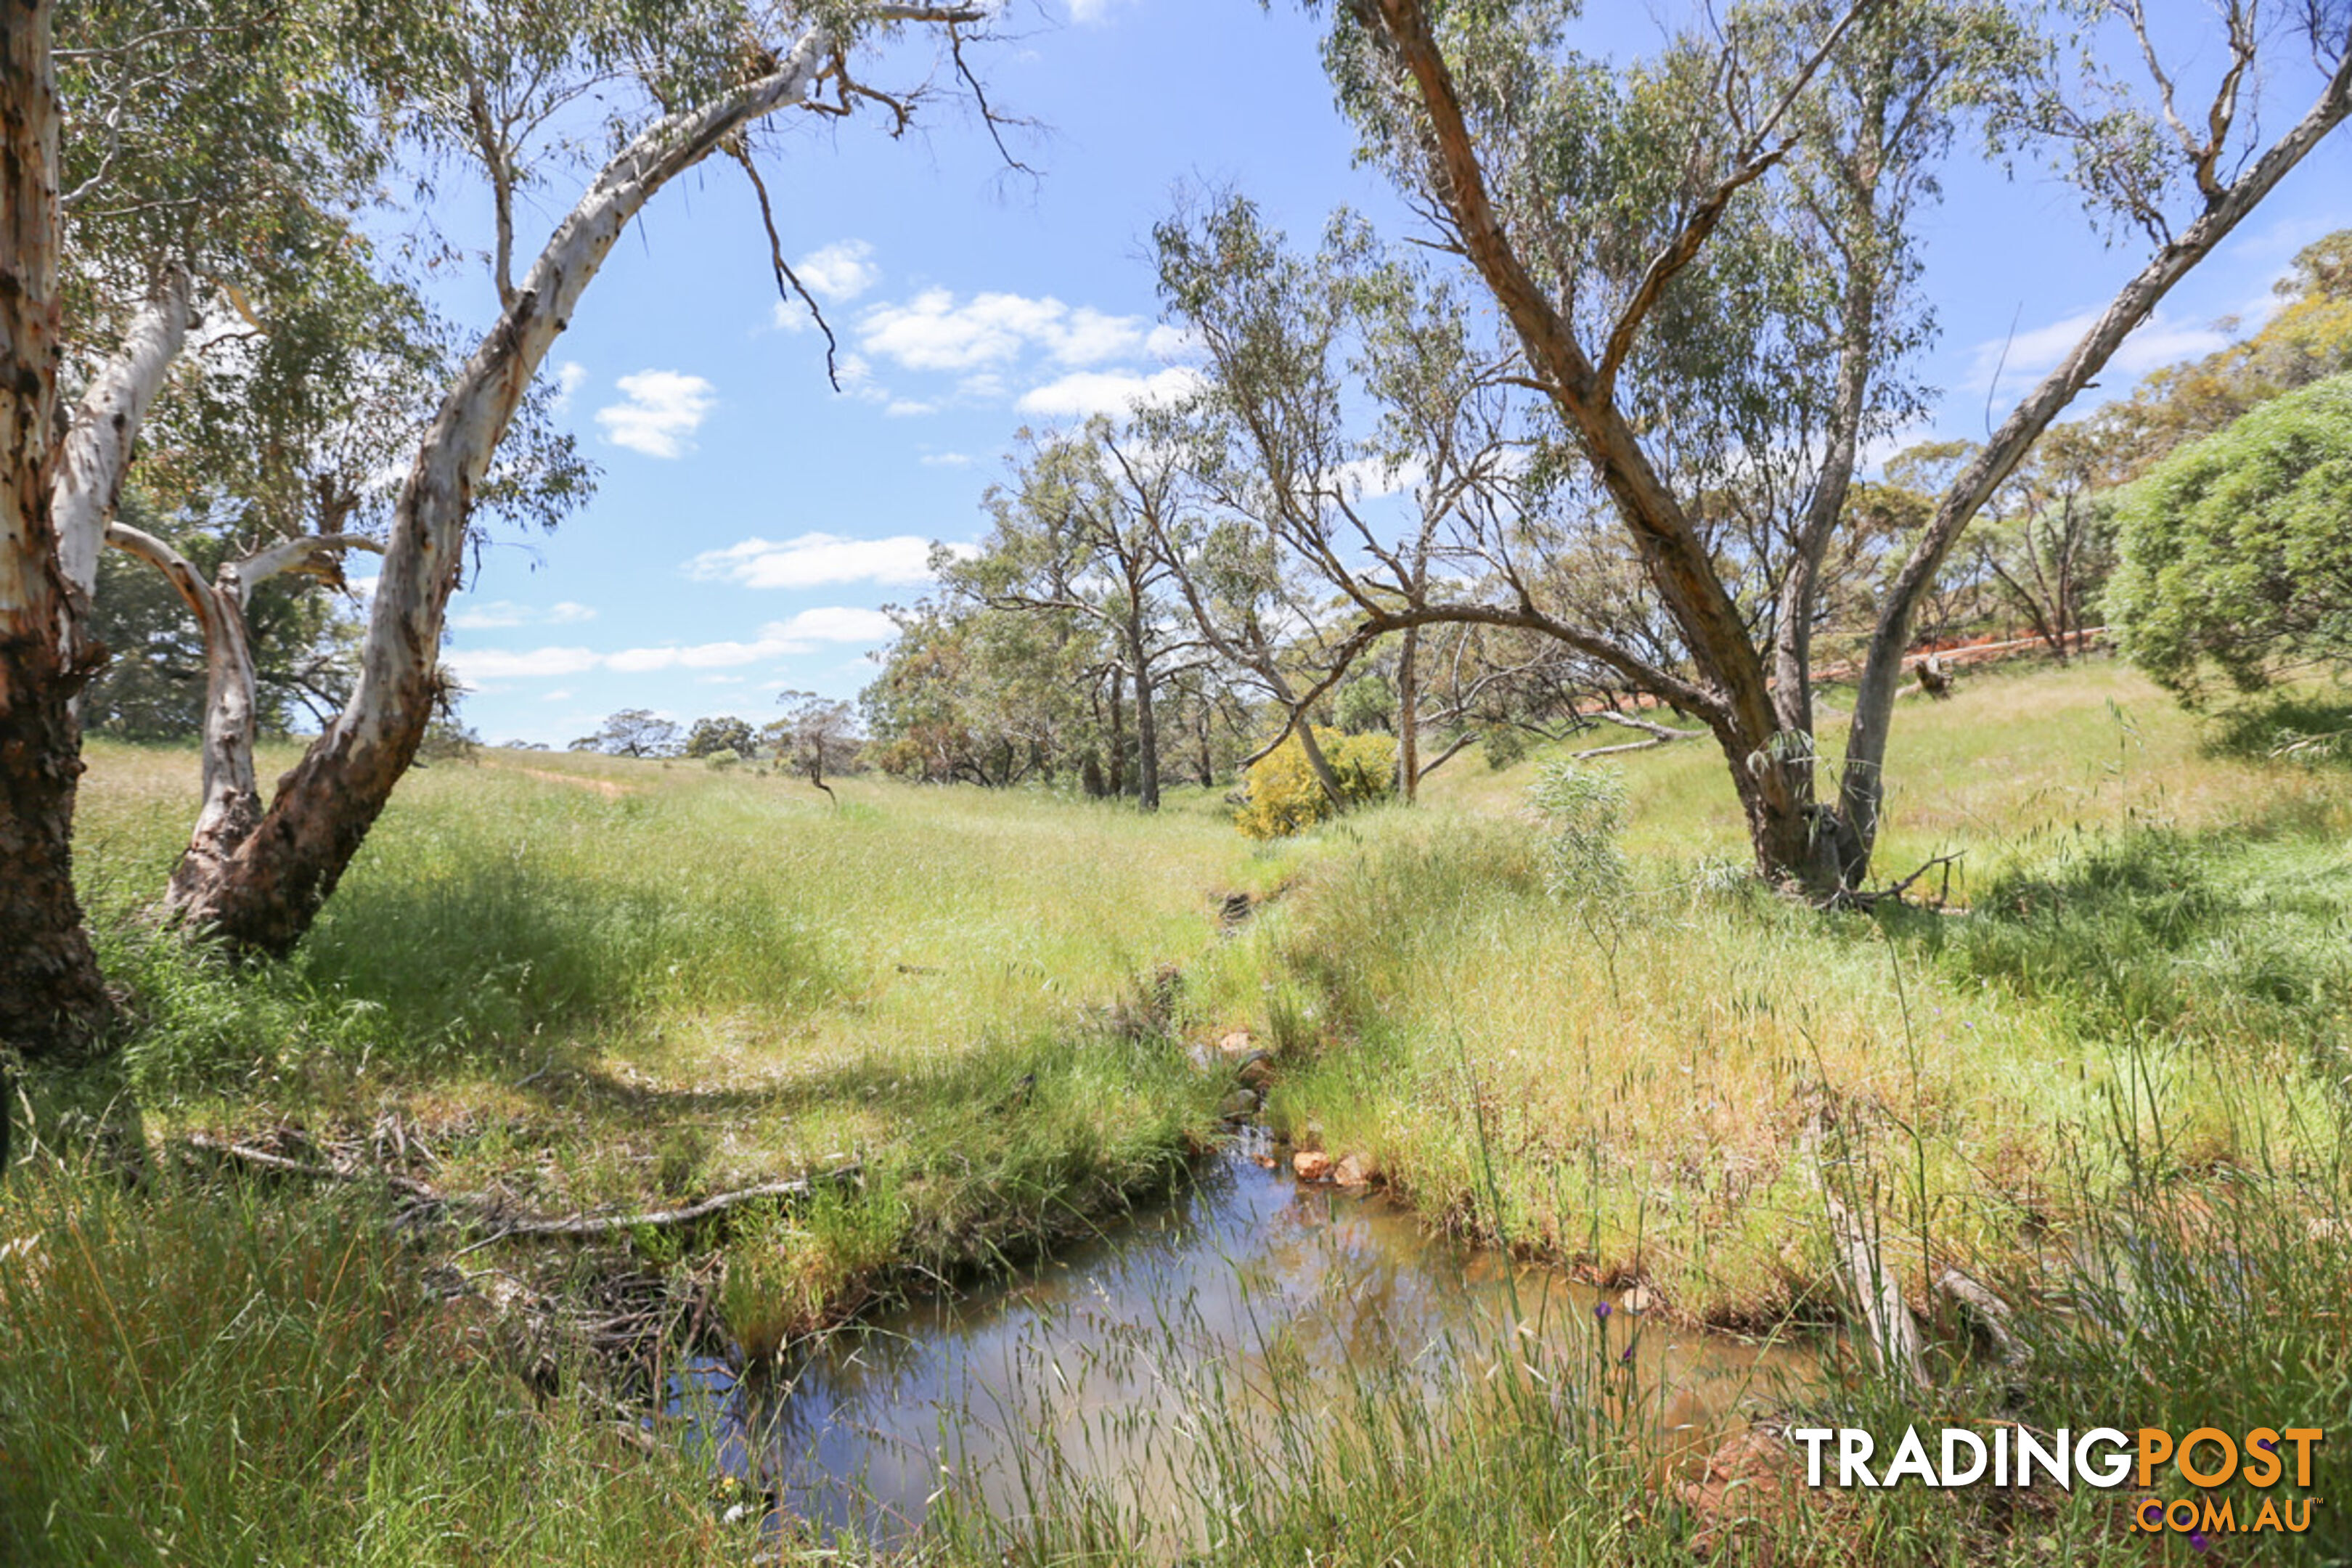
point(1988, 1314)
point(1877, 1294)
point(489, 1208)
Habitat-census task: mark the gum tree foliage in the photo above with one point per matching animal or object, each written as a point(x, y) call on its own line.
point(1706, 261)
point(1075, 538)
point(165, 162)
point(817, 736)
point(727, 733)
point(2237, 548)
point(632, 733)
point(1339, 388)
point(156, 682)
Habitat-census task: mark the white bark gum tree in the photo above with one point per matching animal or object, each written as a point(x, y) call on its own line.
point(231, 801)
point(262, 892)
point(100, 443)
point(1734, 686)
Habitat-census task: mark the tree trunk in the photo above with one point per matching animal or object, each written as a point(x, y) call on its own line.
point(1409, 716)
point(1118, 734)
point(1147, 729)
point(51, 995)
point(264, 893)
point(231, 801)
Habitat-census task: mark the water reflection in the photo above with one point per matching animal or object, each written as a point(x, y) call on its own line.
point(1110, 1349)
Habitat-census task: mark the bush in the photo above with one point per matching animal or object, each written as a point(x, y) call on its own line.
point(1584, 810)
point(2235, 552)
point(1284, 796)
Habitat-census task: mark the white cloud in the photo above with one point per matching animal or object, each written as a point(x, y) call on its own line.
point(569, 377)
point(935, 332)
point(1085, 392)
point(813, 558)
point(945, 461)
point(839, 623)
point(557, 697)
point(778, 639)
point(908, 408)
point(840, 271)
point(1371, 479)
point(496, 613)
point(2024, 359)
point(1088, 12)
point(665, 408)
point(498, 664)
point(836, 274)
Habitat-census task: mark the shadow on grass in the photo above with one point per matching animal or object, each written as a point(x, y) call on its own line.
point(2312, 729)
point(2237, 938)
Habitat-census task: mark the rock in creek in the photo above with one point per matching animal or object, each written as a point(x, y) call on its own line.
point(1355, 1171)
point(1311, 1164)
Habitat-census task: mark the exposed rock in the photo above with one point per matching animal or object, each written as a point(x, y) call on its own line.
point(1255, 1070)
point(1237, 1044)
point(1311, 1164)
point(1242, 1102)
point(1640, 1299)
point(1355, 1171)
point(1751, 1484)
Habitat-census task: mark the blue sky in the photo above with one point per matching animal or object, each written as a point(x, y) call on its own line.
point(750, 521)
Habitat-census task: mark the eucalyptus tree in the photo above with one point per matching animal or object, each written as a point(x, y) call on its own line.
point(1348, 437)
point(1707, 261)
point(674, 84)
point(169, 159)
point(1076, 533)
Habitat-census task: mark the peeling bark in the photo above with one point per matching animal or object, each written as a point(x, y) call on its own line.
point(51, 995)
point(264, 894)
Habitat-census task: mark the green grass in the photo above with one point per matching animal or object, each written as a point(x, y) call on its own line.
point(585, 983)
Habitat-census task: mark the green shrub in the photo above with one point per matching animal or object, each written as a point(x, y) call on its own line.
point(1286, 798)
point(1584, 812)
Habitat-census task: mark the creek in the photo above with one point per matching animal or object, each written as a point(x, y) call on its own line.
point(1094, 1365)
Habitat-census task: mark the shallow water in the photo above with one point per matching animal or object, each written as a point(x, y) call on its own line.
point(1248, 1277)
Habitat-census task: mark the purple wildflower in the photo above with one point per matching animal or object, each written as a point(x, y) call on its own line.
point(1602, 1310)
point(1627, 1359)
point(2198, 1542)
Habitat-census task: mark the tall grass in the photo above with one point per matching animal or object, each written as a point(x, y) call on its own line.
point(212, 1375)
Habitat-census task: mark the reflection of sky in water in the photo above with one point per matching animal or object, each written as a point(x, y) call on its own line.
point(1248, 1276)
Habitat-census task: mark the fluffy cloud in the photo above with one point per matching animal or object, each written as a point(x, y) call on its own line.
point(836, 274)
point(840, 623)
point(803, 633)
point(569, 377)
point(936, 332)
point(945, 461)
point(665, 408)
point(1086, 393)
point(839, 271)
point(2024, 359)
point(814, 558)
point(497, 613)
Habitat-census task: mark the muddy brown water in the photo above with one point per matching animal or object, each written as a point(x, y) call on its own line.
point(1093, 1365)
